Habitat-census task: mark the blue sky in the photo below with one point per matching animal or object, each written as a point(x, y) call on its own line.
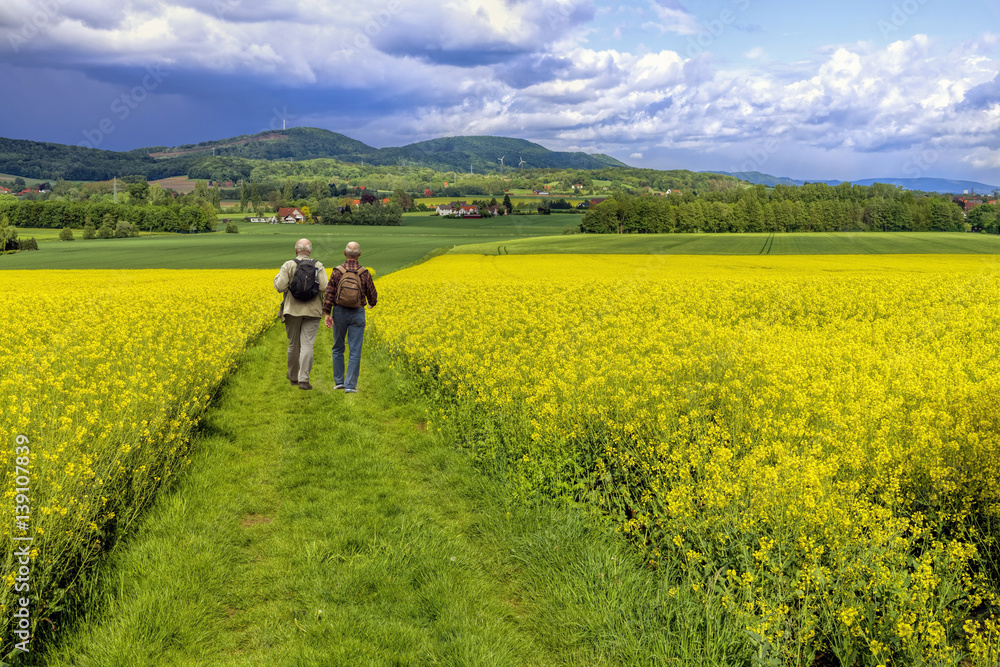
point(848, 90)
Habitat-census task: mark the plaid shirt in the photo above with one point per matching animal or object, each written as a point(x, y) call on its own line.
point(367, 286)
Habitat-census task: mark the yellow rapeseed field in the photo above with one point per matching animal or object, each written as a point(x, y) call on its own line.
point(103, 375)
point(812, 440)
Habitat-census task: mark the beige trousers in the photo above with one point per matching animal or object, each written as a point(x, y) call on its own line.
point(301, 333)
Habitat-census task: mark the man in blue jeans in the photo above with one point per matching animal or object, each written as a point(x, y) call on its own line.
point(349, 290)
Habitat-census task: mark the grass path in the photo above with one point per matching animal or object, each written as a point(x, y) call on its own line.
point(317, 528)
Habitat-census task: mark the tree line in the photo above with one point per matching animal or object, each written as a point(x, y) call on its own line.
point(814, 207)
point(79, 215)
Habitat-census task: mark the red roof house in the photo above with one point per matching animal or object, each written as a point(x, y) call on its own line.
point(290, 215)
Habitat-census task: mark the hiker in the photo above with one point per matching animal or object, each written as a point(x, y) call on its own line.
point(302, 281)
point(349, 289)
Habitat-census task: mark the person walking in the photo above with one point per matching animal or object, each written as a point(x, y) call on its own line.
point(302, 281)
point(349, 289)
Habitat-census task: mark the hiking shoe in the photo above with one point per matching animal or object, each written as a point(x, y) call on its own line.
point(339, 386)
point(294, 382)
point(305, 385)
point(350, 391)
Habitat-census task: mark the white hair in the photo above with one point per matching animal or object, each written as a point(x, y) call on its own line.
point(303, 246)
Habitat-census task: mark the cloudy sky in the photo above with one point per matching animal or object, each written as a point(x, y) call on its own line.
point(835, 90)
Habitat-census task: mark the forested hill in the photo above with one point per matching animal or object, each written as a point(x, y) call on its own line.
point(483, 154)
point(480, 154)
point(33, 159)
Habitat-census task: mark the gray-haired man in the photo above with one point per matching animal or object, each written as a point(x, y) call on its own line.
point(301, 317)
point(348, 319)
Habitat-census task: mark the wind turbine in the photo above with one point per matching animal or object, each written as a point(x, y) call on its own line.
point(521, 161)
point(501, 162)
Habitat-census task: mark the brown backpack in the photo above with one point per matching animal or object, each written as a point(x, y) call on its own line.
point(350, 293)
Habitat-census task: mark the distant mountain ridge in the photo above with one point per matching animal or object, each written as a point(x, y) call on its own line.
point(940, 185)
point(45, 160)
point(462, 153)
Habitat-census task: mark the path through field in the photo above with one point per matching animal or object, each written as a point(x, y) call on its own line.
point(317, 528)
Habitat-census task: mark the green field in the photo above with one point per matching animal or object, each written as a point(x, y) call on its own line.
point(261, 245)
point(27, 181)
point(846, 243)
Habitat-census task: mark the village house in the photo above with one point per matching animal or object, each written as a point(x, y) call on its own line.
point(445, 209)
point(290, 216)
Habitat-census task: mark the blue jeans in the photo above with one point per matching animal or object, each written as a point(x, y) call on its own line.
point(349, 323)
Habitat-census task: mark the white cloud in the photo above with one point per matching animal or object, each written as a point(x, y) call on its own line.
point(675, 20)
point(518, 68)
point(984, 158)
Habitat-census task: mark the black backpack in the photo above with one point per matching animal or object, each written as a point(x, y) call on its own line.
point(304, 285)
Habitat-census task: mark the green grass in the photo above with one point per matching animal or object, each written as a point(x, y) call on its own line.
point(318, 528)
point(261, 245)
point(45, 234)
point(745, 244)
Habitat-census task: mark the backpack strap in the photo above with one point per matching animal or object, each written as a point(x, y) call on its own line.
point(343, 270)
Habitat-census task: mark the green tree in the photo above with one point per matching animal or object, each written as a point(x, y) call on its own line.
point(506, 204)
point(107, 228)
point(89, 231)
point(288, 194)
point(244, 195)
point(124, 229)
point(8, 234)
point(201, 191)
point(66, 234)
point(156, 194)
point(255, 197)
point(138, 189)
point(402, 198)
point(319, 190)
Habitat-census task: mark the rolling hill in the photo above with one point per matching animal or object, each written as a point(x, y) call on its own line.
point(76, 163)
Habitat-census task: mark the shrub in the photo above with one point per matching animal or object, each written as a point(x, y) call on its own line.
point(231, 228)
point(125, 229)
point(89, 231)
point(66, 234)
point(28, 244)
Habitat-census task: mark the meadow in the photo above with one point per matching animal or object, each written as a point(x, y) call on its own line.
point(262, 245)
point(808, 439)
point(817, 243)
